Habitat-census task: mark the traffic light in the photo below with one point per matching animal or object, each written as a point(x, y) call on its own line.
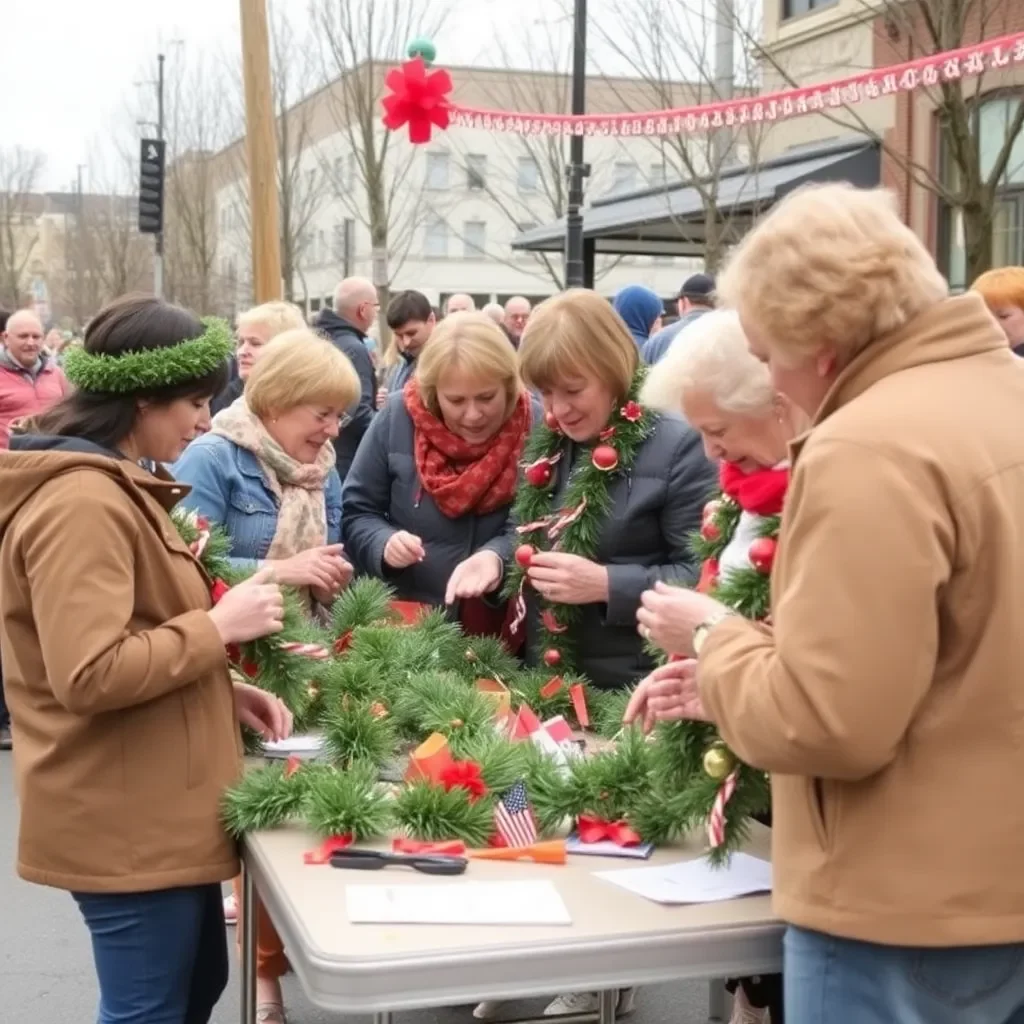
point(151, 187)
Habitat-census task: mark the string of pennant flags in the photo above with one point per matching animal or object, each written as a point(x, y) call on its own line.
point(418, 98)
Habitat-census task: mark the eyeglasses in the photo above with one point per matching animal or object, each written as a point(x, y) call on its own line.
point(373, 860)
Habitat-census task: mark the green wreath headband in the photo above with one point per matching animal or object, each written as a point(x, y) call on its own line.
point(151, 368)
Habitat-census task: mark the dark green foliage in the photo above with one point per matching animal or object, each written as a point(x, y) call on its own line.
point(502, 762)
point(347, 677)
point(443, 702)
point(677, 753)
point(263, 798)
point(432, 814)
point(365, 602)
point(353, 733)
point(746, 591)
point(484, 657)
point(607, 708)
point(346, 802)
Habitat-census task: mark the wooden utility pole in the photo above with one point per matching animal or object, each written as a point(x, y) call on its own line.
point(261, 144)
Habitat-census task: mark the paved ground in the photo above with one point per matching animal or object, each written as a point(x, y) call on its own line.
point(46, 967)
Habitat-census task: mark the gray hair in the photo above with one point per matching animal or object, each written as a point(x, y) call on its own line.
point(711, 355)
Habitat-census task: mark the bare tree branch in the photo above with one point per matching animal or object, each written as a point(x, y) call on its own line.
point(19, 178)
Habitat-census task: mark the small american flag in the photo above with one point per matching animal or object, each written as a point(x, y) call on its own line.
point(513, 818)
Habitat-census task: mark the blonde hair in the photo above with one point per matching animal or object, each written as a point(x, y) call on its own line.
point(301, 368)
point(1001, 287)
point(574, 332)
point(276, 317)
point(475, 344)
point(831, 267)
point(711, 355)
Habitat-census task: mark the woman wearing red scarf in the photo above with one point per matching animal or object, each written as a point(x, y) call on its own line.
point(727, 394)
point(435, 475)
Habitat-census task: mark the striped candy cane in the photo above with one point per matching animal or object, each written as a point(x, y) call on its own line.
point(315, 651)
point(716, 819)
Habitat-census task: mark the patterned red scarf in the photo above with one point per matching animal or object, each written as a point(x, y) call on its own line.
point(463, 477)
point(761, 492)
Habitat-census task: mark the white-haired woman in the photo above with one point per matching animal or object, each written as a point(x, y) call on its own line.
point(886, 696)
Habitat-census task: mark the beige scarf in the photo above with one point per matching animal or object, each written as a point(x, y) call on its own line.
point(299, 486)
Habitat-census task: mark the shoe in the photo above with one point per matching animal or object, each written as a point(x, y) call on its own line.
point(587, 1002)
point(230, 909)
point(5, 737)
point(270, 1013)
point(744, 1013)
point(488, 1009)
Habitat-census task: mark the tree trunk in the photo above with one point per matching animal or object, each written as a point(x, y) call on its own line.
point(978, 231)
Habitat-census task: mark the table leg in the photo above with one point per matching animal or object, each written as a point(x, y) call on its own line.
point(247, 914)
point(607, 1004)
point(716, 1000)
point(382, 1018)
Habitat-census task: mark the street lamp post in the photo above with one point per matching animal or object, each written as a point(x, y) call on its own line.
point(158, 261)
point(575, 271)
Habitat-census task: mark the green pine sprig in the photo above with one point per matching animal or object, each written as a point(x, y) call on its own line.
point(364, 602)
point(348, 802)
point(527, 686)
point(502, 762)
point(431, 813)
point(354, 733)
point(443, 702)
point(264, 797)
point(484, 657)
point(607, 709)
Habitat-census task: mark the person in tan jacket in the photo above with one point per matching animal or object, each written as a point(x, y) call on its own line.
point(887, 698)
point(124, 714)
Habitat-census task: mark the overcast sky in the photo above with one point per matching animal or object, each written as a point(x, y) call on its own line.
point(70, 66)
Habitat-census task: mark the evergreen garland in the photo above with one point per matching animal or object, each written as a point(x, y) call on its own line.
point(628, 428)
point(356, 732)
point(264, 797)
point(431, 813)
point(350, 802)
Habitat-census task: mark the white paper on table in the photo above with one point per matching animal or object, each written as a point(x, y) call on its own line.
point(458, 903)
point(309, 744)
point(695, 881)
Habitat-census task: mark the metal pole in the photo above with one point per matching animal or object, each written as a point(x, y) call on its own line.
point(247, 922)
point(577, 169)
point(158, 260)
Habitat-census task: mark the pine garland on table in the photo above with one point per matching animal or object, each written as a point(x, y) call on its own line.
point(575, 526)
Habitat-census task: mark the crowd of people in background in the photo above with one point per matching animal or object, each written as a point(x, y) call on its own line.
point(323, 453)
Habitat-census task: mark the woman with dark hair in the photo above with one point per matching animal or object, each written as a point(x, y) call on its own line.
point(125, 714)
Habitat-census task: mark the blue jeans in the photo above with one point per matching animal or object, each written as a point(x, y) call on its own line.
point(828, 980)
point(161, 957)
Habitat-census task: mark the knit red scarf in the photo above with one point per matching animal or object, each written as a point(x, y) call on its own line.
point(760, 492)
point(461, 477)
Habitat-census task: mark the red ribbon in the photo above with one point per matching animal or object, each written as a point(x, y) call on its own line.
point(467, 775)
point(218, 589)
point(342, 644)
point(447, 848)
point(760, 493)
point(596, 830)
point(332, 844)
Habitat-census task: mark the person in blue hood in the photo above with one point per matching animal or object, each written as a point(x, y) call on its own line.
point(641, 309)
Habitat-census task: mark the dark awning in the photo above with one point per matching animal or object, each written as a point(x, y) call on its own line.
point(670, 221)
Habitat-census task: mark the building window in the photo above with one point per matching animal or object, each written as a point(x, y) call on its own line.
point(435, 240)
point(993, 120)
point(658, 175)
point(624, 177)
point(793, 8)
point(474, 239)
point(527, 174)
point(476, 172)
point(437, 171)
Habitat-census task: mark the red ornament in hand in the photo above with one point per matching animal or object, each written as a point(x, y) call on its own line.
point(552, 657)
point(711, 509)
point(551, 421)
point(762, 554)
point(539, 473)
point(605, 458)
point(524, 555)
point(710, 531)
point(417, 99)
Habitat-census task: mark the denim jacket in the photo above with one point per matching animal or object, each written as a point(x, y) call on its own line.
point(230, 488)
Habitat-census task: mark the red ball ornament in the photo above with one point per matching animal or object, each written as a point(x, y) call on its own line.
point(710, 531)
point(538, 474)
point(552, 657)
point(551, 421)
point(762, 554)
point(605, 458)
point(524, 555)
point(711, 509)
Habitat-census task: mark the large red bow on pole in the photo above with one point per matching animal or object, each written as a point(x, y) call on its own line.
point(417, 99)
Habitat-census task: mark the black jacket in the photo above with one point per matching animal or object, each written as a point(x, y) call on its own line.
point(655, 507)
point(349, 339)
point(383, 495)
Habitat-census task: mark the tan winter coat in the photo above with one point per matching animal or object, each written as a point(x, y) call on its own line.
point(122, 708)
point(888, 702)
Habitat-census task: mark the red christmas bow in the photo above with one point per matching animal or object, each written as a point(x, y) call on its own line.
point(595, 830)
point(417, 99)
point(467, 775)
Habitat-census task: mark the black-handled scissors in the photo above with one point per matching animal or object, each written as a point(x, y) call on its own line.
point(374, 860)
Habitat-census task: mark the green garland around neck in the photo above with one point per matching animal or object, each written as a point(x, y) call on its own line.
point(629, 426)
point(151, 369)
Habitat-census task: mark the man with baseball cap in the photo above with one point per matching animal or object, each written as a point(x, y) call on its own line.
point(696, 297)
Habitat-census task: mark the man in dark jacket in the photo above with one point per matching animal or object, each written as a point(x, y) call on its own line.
point(696, 297)
point(355, 309)
point(412, 321)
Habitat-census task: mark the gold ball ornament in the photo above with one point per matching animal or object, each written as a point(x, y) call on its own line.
point(719, 761)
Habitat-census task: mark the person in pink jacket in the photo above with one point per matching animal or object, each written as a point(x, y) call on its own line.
point(30, 379)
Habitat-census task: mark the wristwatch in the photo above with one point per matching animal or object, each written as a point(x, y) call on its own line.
point(700, 634)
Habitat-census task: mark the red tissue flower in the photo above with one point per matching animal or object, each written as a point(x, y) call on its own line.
point(467, 775)
point(417, 99)
point(632, 411)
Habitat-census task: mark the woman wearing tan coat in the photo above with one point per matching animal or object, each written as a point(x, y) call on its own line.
point(124, 715)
